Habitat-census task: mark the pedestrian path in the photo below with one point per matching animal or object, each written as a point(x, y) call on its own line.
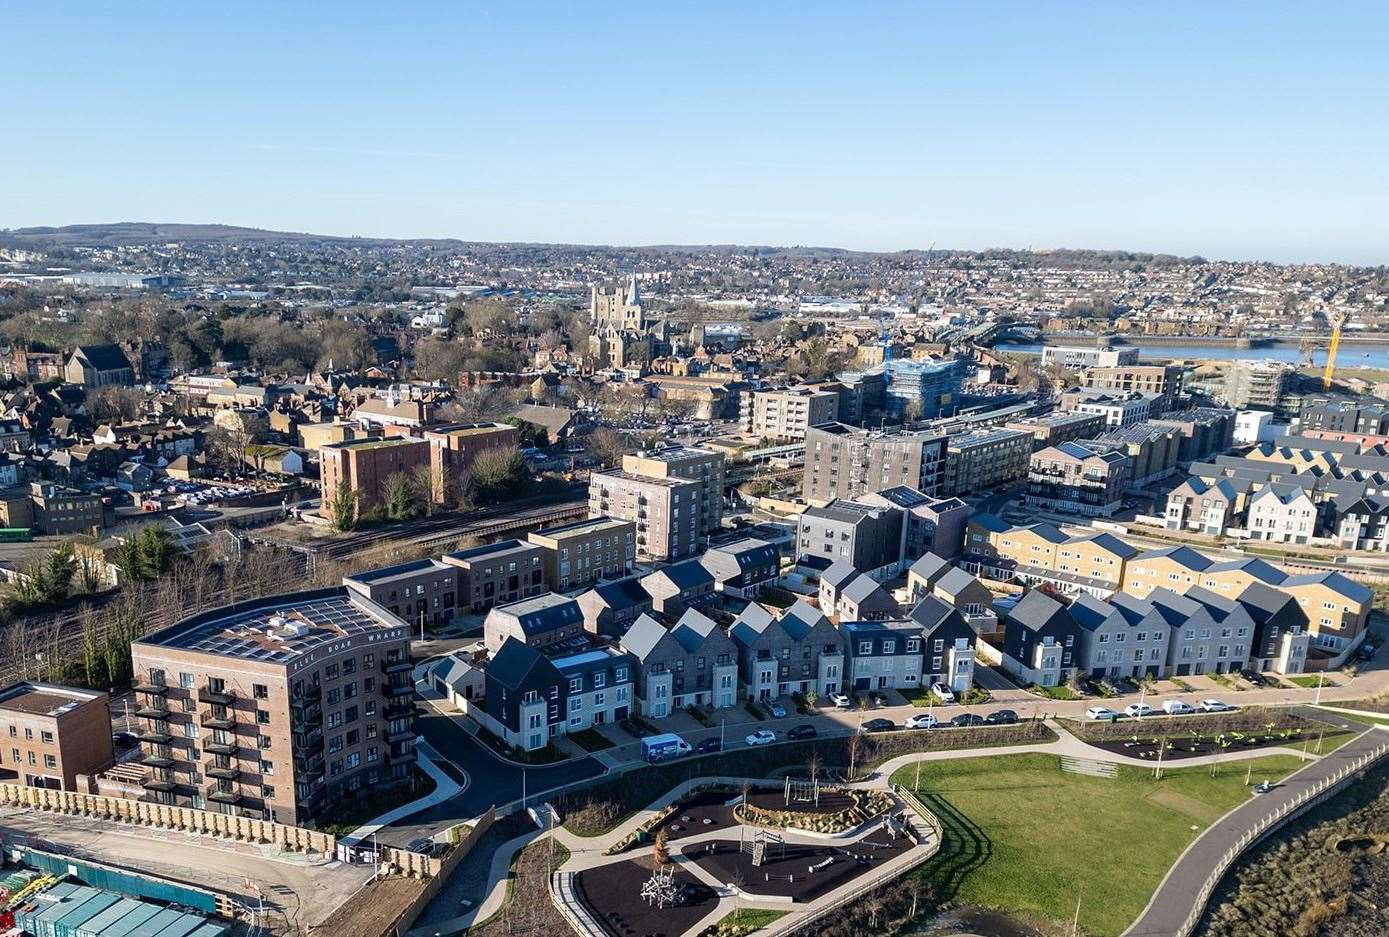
point(1170, 911)
point(444, 788)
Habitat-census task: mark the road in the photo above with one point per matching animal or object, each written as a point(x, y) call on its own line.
point(1178, 893)
point(491, 780)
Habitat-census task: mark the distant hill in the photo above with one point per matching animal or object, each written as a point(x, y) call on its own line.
point(143, 232)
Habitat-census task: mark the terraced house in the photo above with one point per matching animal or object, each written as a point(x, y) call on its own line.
point(797, 652)
point(882, 654)
point(693, 663)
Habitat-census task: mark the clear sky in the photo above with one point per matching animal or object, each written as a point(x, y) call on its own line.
point(1241, 130)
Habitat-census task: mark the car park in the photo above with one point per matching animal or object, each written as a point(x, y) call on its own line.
point(1001, 717)
point(1175, 707)
point(943, 692)
point(878, 725)
point(804, 731)
point(1215, 706)
point(921, 721)
point(1100, 712)
point(840, 700)
point(708, 746)
point(778, 711)
point(761, 737)
point(964, 720)
point(1138, 710)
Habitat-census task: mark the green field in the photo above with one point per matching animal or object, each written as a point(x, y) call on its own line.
point(1024, 837)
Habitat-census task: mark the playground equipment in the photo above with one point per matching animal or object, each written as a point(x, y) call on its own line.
point(757, 847)
point(802, 792)
point(659, 890)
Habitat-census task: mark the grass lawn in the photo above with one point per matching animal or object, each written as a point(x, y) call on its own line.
point(345, 816)
point(590, 740)
point(1060, 691)
point(1311, 681)
point(1363, 719)
point(1023, 836)
point(743, 921)
point(919, 696)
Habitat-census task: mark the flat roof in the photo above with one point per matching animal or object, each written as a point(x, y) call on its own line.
point(398, 571)
point(42, 699)
point(587, 525)
point(277, 629)
point(376, 442)
point(466, 429)
point(646, 479)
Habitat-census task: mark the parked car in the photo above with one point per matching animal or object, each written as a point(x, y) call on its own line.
point(123, 740)
point(762, 737)
point(804, 731)
point(921, 721)
point(1366, 652)
point(1001, 717)
point(1175, 707)
point(708, 746)
point(1215, 706)
point(943, 692)
point(876, 699)
point(878, 725)
point(1254, 677)
point(840, 700)
point(967, 719)
point(1138, 710)
point(778, 711)
point(423, 845)
point(1100, 712)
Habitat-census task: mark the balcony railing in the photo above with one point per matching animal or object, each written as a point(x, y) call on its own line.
point(399, 689)
point(222, 795)
point(152, 689)
point(220, 748)
point(397, 666)
point(227, 772)
point(154, 709)
point(219, 719)
point(159, 781)
point(220, 697)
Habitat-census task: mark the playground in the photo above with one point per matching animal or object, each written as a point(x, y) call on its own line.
point(799, 871)
point(614, 893)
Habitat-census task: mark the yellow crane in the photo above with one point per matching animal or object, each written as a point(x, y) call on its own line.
point(1330, 371)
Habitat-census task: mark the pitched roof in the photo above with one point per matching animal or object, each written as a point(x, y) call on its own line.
point(686, 574)
point(643, 637)
point(1035, 610)
point(860, 588)
point(622, 593)
point(514, 661)
point(930, 567)
point(693, 629)
point(750, 624)
point(800, 619)
point(840, 572)
point(1336, 581)
point(105, 357)
point(956, 580)
point(1183, 555)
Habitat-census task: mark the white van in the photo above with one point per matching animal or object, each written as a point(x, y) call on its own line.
point(1175, 707)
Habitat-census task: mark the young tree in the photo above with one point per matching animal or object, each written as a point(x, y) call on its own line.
point(342, 508)
point(660, 850)
point(399, 497)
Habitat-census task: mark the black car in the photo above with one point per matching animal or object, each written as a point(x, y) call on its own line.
point(124, 740)
point(1003, 717)
point(1253, 676)
point(967, 719)
point(1366, 652)
point(878, 725)
point(801, 732)
point(708, 746)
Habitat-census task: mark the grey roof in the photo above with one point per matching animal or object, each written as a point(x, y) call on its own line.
point(398, 570)
point(860, 588)
point(956, 581)
point(491, 550)
point(1035, 609)
point(622, 593)
point(1183, 555)
point(643, 637)
point(1339, 582)
point(750, 624)
point(1111, 543)
point(931, 611)
point(930, 567)
point(514, 661)
point(840, 572)
point(801, 618)
point(1090, 613)
point(693, 629)
point(686, 574)
point(105, 357)
point(991, 522)
point(543, 612)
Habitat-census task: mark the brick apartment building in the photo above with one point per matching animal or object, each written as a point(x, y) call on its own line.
point(54, 733)
point(418, 591)
point(691, 463)
point(497, 574)
point(454, 446)
point(581, 553)
point(363, 465)
point(283, 706)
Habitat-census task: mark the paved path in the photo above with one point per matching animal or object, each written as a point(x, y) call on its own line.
point(445, 788)
point(1178, 893)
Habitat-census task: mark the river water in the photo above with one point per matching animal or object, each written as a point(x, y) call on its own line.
point(1350, 356)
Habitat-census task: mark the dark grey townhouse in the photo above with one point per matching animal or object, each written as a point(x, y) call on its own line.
point(609, 608)
point(743, 567)
point(533, 697)
point(674, 588)
point(881, 655)
point(797, 652)
point(932, 525)
point(1040, 640)
point(540, 621)
point(1120, 639)
point(693, 663)
point(948, 644)
point(1281, 634)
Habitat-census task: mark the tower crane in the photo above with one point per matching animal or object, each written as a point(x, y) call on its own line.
point(1331, 349)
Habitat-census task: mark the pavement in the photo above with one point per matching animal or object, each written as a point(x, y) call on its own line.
point(1180, 891)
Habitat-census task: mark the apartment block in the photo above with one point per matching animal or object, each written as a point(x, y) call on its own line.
point(581, 553)
point(279, 707)
point(689, 463)
point(1075, 479)
point(1118, 409)
point(1078, 357)
point(1056, 428)
point(1162, 379)
point(845, 462)
point(666, 512)
point(418, 592)
point(976, 462)
point(1261, 385)
point(454, 446)
point(784, 415)
point(933, 525)
point(54, 733)
point(60, 510)
point(497, 574)
point(867, 537)
point(1204, 431)
point(363, 465)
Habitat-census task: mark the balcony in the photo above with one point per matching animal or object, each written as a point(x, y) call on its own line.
point(222, 794)
point(398, 709)
point(220, 748)
point(310, 764)
point(398, 689)
point(312, 739)
point(154, 737)
point(159, 758)
point(400, 756)
point(154, 709)
point(306, 712)
point(400, 735)
point(219, 697)
point(312, 693)
point(219, 718)
point(397, 666)
point(151, 689)
point(226, 772)
point(159, 781)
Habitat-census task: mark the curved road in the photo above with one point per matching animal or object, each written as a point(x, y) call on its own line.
point(491, 780)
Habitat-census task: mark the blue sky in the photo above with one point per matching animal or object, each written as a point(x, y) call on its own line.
point(1242, 130)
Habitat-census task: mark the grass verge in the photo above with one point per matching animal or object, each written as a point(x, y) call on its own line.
point(345, 816)
point(741, 922)
point(590, 740)
point(1023, 836)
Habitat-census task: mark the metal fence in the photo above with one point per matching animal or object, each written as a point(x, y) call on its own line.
point(1267, 824)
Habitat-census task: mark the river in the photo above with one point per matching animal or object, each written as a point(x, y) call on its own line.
point(1350, 355)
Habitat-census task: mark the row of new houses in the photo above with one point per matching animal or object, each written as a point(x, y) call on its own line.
point(1102, 564)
